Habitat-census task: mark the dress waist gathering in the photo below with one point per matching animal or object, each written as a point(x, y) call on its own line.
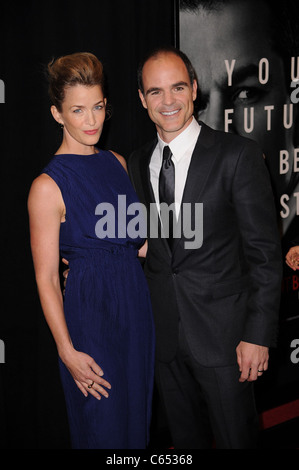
point(95, 255)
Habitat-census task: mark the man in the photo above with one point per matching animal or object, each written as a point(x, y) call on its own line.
point(242, 52)
point(215, 306)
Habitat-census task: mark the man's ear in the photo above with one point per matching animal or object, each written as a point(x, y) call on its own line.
point(194, 90)
point(143, 101)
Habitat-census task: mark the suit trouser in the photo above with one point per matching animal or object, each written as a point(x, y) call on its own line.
point(206, 404)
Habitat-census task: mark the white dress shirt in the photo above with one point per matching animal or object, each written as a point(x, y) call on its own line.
point(181, 148)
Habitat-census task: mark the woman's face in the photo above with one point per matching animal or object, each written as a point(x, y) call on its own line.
point(82, 115)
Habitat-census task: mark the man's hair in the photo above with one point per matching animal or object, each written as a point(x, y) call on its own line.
point(165, 50)
point(283, 23)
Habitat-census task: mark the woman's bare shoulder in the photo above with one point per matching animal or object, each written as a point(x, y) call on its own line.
point(121, 159)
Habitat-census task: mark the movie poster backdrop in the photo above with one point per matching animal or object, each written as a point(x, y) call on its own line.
point(246, 57)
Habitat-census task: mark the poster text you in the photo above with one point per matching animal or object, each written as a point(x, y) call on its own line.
point(263, 78)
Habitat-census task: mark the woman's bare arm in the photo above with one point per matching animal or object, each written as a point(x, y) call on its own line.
point(46, 212)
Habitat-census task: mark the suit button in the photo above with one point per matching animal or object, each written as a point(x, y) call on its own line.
point(175, 272)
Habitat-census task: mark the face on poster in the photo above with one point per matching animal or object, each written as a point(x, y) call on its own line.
point(247, 69)
point(246, 56)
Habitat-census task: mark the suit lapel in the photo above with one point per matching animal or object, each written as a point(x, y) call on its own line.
point(201, 164)
point(145, 174)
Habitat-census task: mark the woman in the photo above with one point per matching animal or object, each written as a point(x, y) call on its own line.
point(103, 327)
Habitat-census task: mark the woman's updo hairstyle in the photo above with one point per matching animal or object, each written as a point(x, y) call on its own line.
point(80, 68)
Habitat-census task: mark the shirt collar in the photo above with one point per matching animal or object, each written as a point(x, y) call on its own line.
point(180, 144)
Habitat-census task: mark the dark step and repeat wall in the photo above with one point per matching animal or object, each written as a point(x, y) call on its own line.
point(247, 59)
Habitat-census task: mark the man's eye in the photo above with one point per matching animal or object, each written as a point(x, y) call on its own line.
point(243, 95)
point(250, 95)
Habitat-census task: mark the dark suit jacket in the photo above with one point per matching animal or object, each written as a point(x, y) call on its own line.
point(227, 290)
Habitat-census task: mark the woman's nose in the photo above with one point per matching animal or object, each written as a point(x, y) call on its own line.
point(91, 118)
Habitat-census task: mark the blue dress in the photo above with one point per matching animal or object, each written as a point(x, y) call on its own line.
point(107, 303)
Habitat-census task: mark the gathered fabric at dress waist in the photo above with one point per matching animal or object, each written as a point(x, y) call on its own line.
point(93, 255)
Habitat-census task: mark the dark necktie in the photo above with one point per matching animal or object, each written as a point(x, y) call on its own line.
point(166, 186)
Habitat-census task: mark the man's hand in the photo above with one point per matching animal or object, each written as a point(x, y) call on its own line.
point(143, 250)
point(65, 273)
point(252, 359)
point(292, 258)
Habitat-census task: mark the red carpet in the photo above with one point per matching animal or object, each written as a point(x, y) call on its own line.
point(280, 427)
point(280, 414)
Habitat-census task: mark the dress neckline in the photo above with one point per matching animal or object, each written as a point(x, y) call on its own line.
point(76, 154)
point(97, 152)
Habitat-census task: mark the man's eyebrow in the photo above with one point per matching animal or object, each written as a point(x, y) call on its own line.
point(182, 83)
point(240, 74)
point(174, 85)
point(150, 90)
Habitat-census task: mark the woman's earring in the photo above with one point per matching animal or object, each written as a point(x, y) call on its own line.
point(62, 126)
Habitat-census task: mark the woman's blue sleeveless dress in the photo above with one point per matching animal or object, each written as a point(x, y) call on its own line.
point(107, 303)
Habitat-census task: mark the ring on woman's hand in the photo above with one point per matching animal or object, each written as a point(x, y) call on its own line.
point(90, 386)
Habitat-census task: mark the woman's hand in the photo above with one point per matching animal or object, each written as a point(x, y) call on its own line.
point(87, 374)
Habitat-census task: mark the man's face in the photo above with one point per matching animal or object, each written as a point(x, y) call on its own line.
point(168, 95)
point(239, 31)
